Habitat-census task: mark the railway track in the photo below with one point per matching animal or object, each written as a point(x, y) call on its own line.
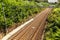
point(33, 30)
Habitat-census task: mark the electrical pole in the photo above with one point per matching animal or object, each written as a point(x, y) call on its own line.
point(5, 26)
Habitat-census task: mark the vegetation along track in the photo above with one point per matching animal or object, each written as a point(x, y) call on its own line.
point(34, 30)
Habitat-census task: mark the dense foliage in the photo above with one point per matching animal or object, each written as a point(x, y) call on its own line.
point(14, 11)
point(53, 27)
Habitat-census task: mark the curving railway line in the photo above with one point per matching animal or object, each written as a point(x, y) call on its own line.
point(33, 30)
